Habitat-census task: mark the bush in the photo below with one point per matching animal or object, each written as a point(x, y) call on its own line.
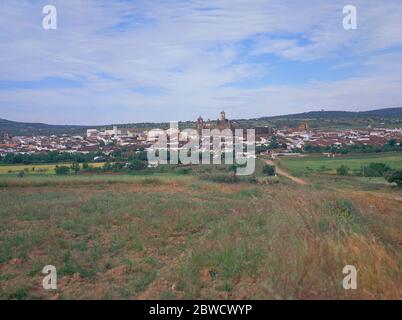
point(62, 170)
point(118, 166)
point(342, 170)
point(375, 170)
point(269, 170)
point(136, 165)
point(394, 176)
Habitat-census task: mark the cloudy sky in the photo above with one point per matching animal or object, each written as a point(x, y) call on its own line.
point(160, 60)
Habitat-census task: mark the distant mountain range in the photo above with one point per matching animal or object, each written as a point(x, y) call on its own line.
point(21, 128)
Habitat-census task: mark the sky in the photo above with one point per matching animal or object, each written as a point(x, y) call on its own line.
point(133, 61)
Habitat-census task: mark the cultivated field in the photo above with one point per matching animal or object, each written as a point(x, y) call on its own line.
point(310, 164)
point(133, 237)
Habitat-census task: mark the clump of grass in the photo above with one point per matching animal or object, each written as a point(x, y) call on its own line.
point(342, 209)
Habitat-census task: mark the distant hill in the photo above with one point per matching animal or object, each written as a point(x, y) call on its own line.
point(14, 128)
point(388, 112)
point(21, 128)
point(379, 113)
point(317, 119)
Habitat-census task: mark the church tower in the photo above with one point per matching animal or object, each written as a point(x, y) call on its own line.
point(200, 123)
point(6, 137)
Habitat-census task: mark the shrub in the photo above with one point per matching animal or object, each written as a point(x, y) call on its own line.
point(394, 176)
point(118, 166)
point(269, 170)
point(342, 170)
point(62, 170)
point(375, 170)
point(136, 165)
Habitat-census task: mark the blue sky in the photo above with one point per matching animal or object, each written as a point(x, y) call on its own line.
point(156, 60)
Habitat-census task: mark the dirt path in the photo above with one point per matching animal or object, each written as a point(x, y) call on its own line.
point(283, 173)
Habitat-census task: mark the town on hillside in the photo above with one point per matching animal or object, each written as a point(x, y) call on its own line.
point(275, 141)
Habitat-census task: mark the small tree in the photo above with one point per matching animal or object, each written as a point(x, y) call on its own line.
point(342, 170)
point(273, 143)
point(269, 170)
point(395, 176)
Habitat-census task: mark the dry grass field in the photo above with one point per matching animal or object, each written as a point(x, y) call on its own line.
point(124, 237)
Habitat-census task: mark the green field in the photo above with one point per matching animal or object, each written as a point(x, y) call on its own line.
point(322, 164)
point(36, 168)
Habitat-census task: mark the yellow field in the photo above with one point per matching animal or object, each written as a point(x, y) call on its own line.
point(37, 168)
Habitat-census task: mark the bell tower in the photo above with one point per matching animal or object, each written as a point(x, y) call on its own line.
point(6, 137)
point(200, 123)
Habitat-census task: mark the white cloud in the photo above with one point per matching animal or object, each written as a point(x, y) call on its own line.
point(193, 51)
